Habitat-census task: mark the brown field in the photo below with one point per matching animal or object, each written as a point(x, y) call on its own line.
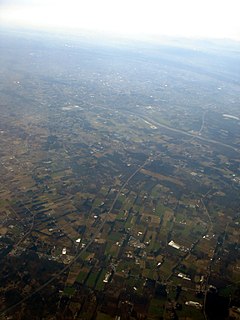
point(161, 177)
point(73, 273)
point(167, 217)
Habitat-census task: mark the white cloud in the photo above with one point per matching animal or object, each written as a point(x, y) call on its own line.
point(191, 18)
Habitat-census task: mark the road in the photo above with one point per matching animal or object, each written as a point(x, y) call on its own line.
point(182, 132)
point(203, 122)
point(30, 229)
point(4, 312)
point(195, 136)
point(210, 226)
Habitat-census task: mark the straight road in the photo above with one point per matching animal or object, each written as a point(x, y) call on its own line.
point(4, 312)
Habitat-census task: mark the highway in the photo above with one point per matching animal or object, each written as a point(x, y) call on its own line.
point(195, 136)
point(78, 255)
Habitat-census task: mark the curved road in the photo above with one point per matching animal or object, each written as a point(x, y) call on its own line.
point(187, 133)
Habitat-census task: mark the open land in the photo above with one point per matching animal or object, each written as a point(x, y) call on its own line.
point(120, 181)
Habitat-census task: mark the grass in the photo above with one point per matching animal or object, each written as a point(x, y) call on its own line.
point(104, 191)
point(85, 255)
point(150, 274)
point(128, 223)
point(108, 247)
point(229, 290)
point(3, 203)
point(100, 283)
point(166, 269)
point(120, 215)
point(156, 191)
point(156, 308)
point(122, 265)
point(97, 202)
point(103, 316)
point(128, 204)
point(135, 270)
point(82, 275)
point(92, 279)
point(137, 283)
point(113, 250)
point(69, 291)
point(191, 313)
point(154, 245)
point(115, 236)
point(160, 209)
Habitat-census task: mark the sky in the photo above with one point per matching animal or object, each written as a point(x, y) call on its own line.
point(132, 18)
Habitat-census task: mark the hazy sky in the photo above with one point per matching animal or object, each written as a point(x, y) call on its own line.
point(188, 18)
